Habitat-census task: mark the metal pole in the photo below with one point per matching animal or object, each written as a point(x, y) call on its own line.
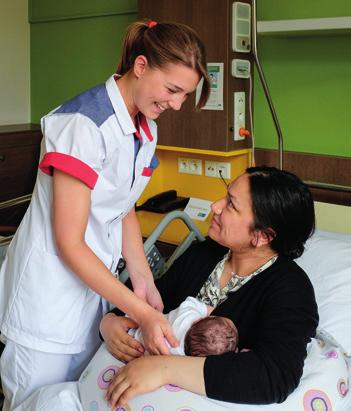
point(264, 84)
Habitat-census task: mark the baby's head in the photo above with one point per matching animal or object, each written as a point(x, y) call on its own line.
point(211, 336)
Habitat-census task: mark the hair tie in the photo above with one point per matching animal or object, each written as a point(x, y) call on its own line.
point(152, 24)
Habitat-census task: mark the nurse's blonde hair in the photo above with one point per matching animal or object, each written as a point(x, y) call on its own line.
point(163, 43)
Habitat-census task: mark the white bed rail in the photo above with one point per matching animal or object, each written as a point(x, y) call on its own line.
point(150, 248)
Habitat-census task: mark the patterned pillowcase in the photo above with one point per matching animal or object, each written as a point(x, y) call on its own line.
point(324, 386)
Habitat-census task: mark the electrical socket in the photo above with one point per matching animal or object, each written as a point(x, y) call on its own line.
point(183, 165)
point(195, 166)
point(224, 168)
point(190, 166)
point(212, 169)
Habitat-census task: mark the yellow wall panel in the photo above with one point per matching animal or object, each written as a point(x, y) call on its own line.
point(167, 177)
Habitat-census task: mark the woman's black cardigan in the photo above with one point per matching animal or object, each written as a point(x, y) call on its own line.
point(276, 316)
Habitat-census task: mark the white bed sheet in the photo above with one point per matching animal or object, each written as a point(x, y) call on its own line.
point(3, 250)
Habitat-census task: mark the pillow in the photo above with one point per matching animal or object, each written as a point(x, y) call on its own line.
point(327, 262)
point(324, 386)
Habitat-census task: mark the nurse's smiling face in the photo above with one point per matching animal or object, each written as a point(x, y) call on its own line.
point(157, 90)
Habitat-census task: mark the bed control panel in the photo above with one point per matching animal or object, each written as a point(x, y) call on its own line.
point(155, 261)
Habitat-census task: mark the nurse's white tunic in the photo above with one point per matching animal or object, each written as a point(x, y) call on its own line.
point(44, 305)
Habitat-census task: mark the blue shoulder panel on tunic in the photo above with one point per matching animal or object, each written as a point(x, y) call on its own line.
point(154, 162)
point(94, 103)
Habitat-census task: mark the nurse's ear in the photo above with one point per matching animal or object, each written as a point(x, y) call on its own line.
point(140, 65)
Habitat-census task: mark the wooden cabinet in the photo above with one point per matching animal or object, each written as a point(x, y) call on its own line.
point(19, 156)
point(209, 129)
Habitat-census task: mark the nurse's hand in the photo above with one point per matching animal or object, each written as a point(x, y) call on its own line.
point(156, 330)
point(114, 330)
point(144, 287)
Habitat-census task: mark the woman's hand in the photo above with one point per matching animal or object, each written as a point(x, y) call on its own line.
point(142, 375)
point(148, 373)
point(114, 330)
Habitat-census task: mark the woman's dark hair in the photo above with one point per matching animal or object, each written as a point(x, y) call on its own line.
point(283, 209)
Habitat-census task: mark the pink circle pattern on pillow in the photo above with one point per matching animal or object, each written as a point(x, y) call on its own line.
point(172, 388)
point(316, 400)
point(332, 354)
point(106, 376)
point(343, 388)
point(125, 408)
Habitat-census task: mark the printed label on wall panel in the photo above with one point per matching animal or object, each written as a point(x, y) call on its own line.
point(215, 101)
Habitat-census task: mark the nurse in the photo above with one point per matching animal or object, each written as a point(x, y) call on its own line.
point(97, 155)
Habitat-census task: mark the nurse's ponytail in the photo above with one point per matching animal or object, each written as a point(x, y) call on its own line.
point(163, 43)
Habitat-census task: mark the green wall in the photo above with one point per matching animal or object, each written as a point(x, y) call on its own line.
point(309, 78)
point(301, 9)
point(74, 45)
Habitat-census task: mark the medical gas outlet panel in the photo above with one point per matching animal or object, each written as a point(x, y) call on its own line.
point(241, 67)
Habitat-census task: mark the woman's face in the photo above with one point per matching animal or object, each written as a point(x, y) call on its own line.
point(233, 217)
point(157, 90)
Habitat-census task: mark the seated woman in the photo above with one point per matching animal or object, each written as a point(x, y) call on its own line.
point(246, 271)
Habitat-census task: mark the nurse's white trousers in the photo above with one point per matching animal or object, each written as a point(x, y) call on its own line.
point(24, 370)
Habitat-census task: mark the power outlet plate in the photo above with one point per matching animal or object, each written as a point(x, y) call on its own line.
point(213, 168)
point(210, 169)
point(239, 114)
point(223, 169)
point(190, 166)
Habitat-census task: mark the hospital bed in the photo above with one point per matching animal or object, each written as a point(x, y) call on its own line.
point(324, 385)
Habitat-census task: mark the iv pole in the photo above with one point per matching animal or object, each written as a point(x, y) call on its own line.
point(264, 84)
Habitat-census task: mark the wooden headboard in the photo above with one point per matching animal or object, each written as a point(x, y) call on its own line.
point(329, 177)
